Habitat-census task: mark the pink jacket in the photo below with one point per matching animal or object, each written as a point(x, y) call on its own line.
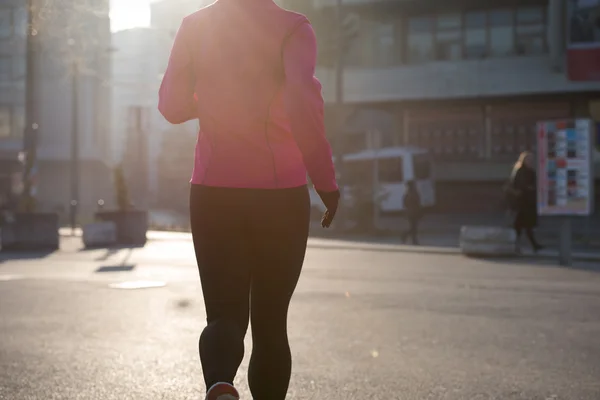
point(245, 69)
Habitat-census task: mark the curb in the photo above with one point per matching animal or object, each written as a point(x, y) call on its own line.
point(450, 251)
point(341, 244)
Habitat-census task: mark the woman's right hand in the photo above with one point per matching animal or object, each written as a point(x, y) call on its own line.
point(331, 201)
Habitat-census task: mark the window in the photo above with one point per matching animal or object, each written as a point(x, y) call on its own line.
point(6, 25)
point(530, 31)
point(358, 172)
point(420, 40)
point(475, 35)
point(422, 166)
point(501, 33)
point(5, 69)
point(20, 21)
point(19, 67)
point(18, 121)
point(448, 36)
point(375, 45)
point(390, 170)
point(385, 43)
point(5, 121)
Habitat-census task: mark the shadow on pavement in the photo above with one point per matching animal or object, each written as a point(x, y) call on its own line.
point(116, 268)
point(24, 255)
point(121, 266)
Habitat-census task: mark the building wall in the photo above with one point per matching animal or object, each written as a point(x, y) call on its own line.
point(12, 73)
point(137, 66)
point(68, 32)
point(495, 48)
point(467, 80)
point(140, 58)
point(452, 80)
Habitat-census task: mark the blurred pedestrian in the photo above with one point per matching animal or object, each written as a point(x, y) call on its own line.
point(245, 69)
point(523, 194)
point(413, 210)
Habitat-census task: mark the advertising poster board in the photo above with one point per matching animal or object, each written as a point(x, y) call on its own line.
point(565, 167)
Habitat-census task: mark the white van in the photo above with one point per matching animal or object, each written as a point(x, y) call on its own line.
point(390, 168)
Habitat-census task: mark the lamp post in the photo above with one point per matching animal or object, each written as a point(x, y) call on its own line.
point(339, 99)
point(74, 204)
point(30, 135)
point(346, 31)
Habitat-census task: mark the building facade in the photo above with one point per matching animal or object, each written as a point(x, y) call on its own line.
point(466, 79)
point(13, 58)
point(140, 59)
point(72, 75)
point(138, 63)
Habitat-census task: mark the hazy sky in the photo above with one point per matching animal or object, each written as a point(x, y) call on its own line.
point(125, 14)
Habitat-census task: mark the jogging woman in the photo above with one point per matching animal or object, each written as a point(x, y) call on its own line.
point(245, 69)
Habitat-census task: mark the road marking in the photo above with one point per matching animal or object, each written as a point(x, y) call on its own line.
point(131, 285)
point(5, 278)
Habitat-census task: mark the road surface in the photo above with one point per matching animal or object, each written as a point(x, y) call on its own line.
point(363, 325)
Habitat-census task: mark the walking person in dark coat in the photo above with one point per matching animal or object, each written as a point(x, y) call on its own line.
point(524, 192)
point(413, 209)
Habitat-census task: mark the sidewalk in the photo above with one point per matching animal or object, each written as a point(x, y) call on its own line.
point(432, 244)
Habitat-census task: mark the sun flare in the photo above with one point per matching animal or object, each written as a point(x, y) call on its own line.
point(127, 14)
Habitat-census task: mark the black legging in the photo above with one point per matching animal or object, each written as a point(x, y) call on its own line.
point(519, 228)
point(250, 246)
point(412, 231)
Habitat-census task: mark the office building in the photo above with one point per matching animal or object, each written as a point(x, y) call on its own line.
point(73, 51)
point(467, 80)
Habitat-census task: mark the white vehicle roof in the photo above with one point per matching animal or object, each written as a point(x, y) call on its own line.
point(386, 152)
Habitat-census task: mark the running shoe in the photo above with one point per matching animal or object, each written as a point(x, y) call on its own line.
point(222, 391)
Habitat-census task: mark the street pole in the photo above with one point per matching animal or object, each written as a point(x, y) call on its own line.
point(565, 257)
point(74, 144)
point(339, 103)
point(31, 125)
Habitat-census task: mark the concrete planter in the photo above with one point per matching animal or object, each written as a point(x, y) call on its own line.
point(99, 234)
point(31, 232)
point(485, 241)
point(131, 225)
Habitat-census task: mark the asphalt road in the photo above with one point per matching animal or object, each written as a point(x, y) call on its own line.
point(363, 325)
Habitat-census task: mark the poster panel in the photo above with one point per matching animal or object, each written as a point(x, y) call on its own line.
point(565, 167)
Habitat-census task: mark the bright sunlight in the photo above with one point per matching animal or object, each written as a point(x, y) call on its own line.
point(127, 14)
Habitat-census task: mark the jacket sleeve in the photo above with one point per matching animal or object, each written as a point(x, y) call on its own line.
point(177, 101)
point(305, 106)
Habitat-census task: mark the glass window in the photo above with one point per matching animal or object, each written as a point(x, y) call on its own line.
point(358, 172)
point(422, 166)
point(19, 69)
point(385, 43)
point(18, 121)
point(5, 22)
point(501, 33)
point(5, 69)
point(20, 21)
point(475, 35)
point(530, 15)
point(390, 170)
point(374, 46)
point(5, 122)
point(359, 53)
point(420, 40)
point(530, 45)
point(448, 37)
point(530, 30)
